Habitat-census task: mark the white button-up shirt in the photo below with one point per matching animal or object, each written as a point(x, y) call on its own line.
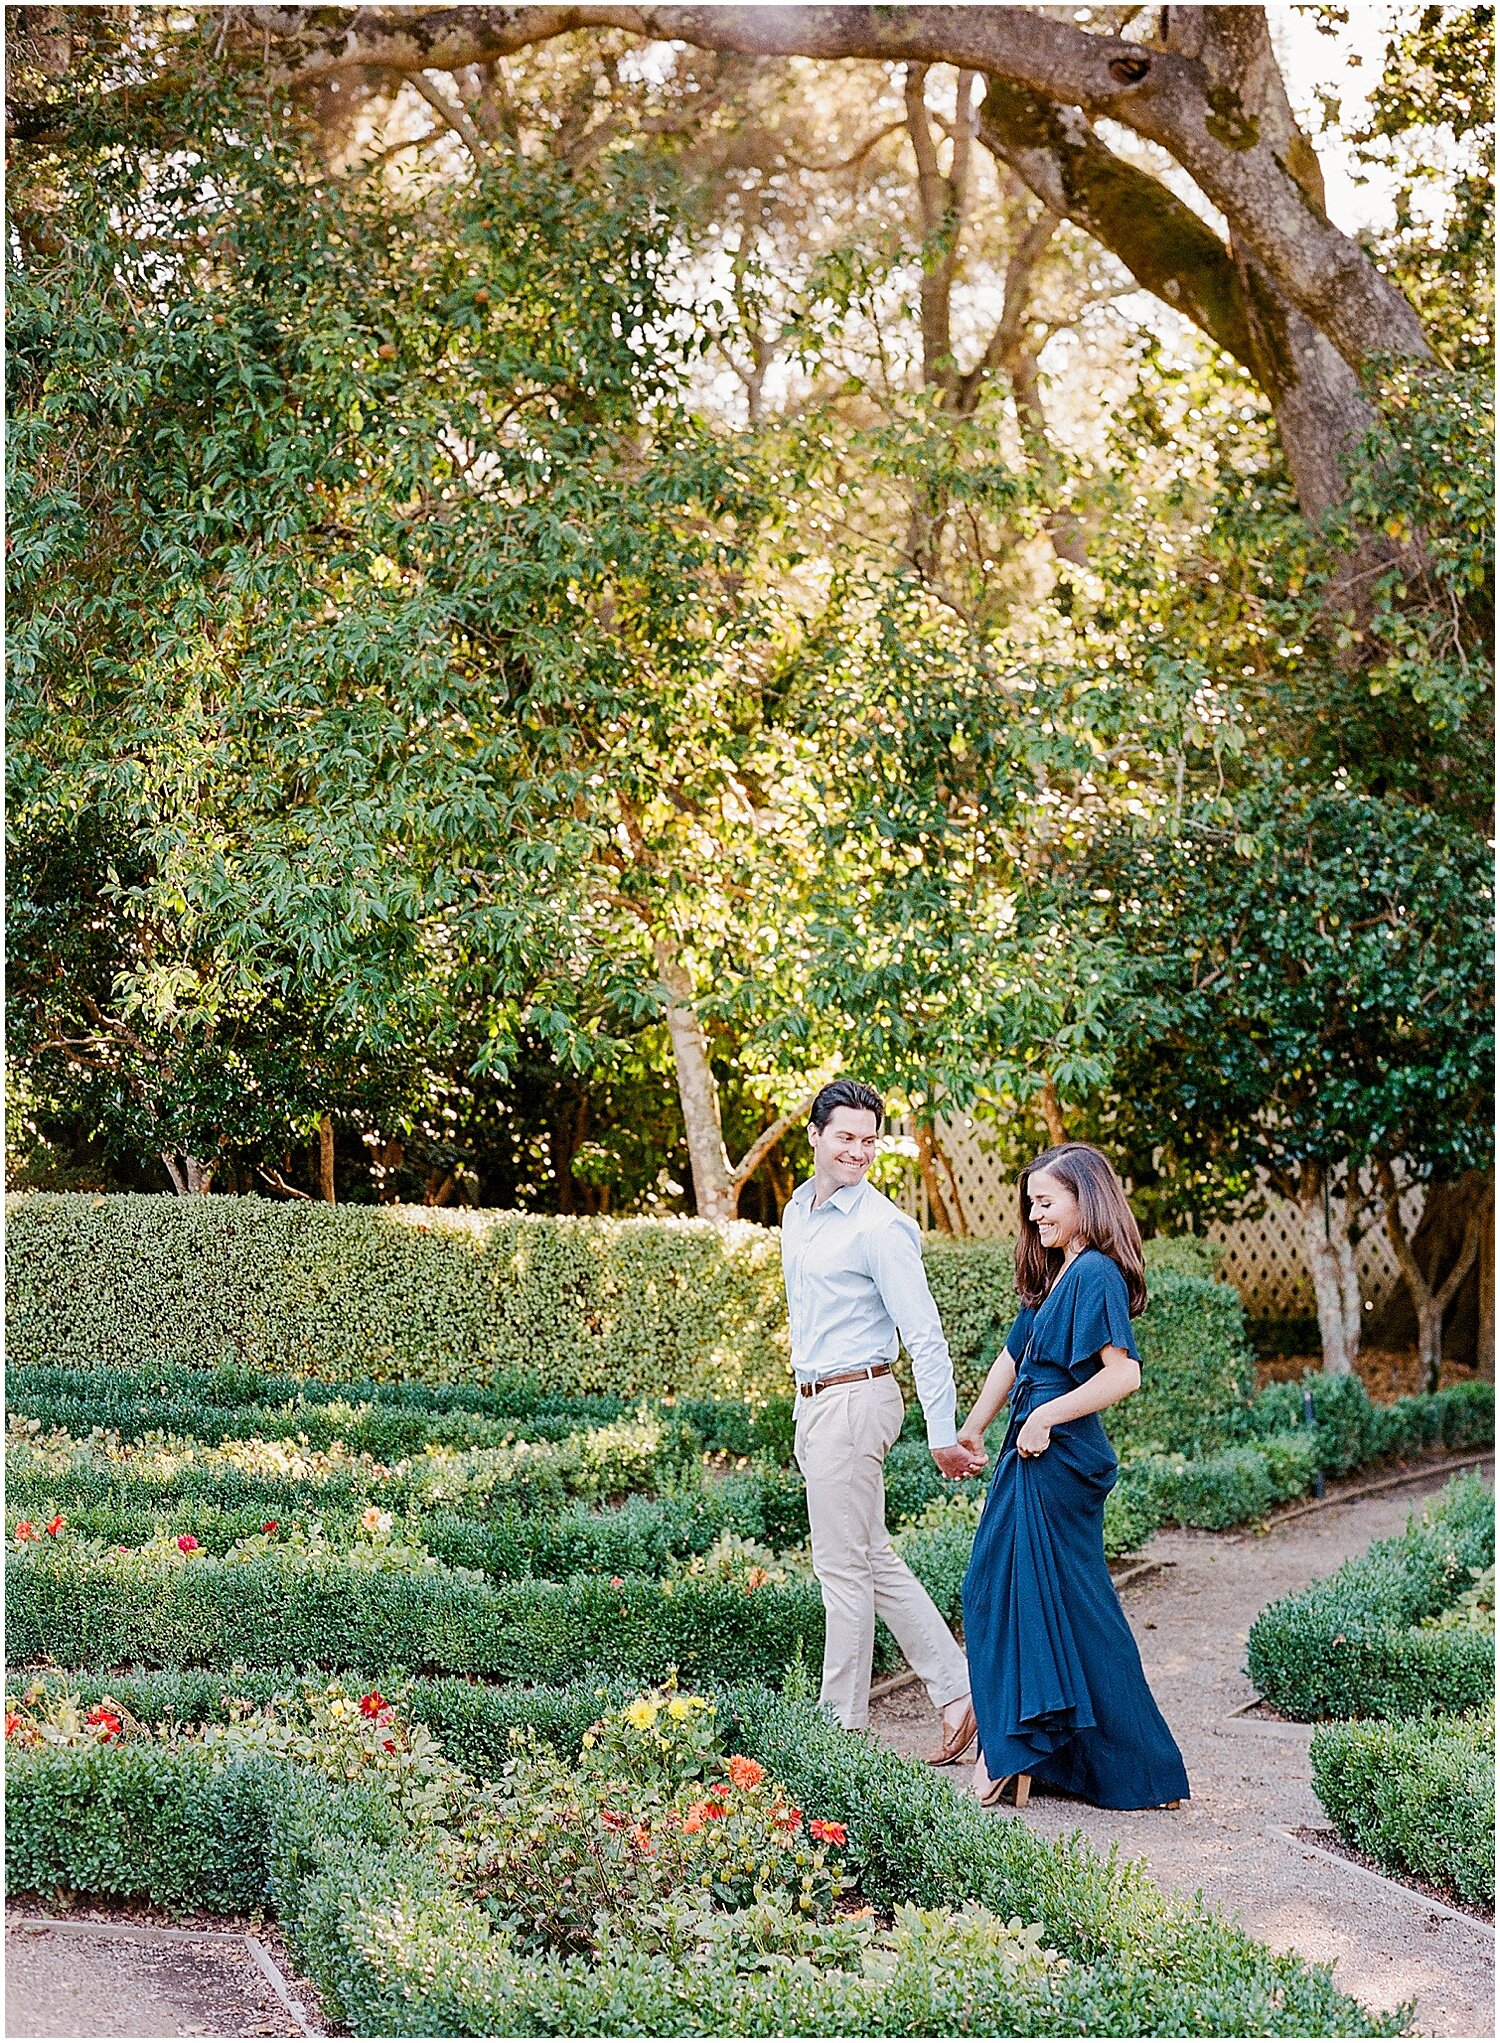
point(855, 1289)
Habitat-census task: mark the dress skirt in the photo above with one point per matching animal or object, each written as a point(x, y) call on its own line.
point(1058, 1687)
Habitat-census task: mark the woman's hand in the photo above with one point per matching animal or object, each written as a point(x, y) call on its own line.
point(1035, 1437)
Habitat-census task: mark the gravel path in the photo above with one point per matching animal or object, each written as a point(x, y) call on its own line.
point(1250, 1776)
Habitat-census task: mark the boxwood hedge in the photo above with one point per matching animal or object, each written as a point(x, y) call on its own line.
point(1351, 1645)
point(1417, 1796)
point(395, 1950)
point(630, 1308)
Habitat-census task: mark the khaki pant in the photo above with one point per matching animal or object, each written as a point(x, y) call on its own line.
point(842, 1437)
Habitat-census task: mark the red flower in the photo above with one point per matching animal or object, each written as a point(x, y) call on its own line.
point(55, 1525)
point(12, 1722)
point(24, 1531)
point(105, 1722)
point(388, 1744)
point(613, 1820)
point(186, 1544)
point(372, 1704)
point(827, 1833)
point(270, 1525)
point(787, 1819)
point(746, 1773)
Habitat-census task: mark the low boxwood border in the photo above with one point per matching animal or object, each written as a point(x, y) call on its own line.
point(1418, 1797)
point(395, 1951)
point(1351, 1645)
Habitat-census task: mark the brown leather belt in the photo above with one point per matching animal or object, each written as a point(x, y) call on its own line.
point(848, 1376)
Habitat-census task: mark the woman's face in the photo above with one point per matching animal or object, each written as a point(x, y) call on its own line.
point(1054, 1210)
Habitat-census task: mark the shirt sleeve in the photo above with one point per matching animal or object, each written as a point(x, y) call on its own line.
point(895, 1254)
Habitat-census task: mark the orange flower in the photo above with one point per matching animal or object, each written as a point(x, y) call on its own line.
point(756, 1579)
point(613, 1820)
point(786, 1819)
point(640, 1837)
point(24, 1531)
point(827, 1833)
point(55, 1525)
point(746, 1773)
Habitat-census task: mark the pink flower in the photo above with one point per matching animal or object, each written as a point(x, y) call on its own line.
point(617, 1581)
point(827, 1833)
point(186, 1544)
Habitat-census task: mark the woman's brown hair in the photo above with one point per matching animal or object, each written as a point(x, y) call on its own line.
point(1105, 1222)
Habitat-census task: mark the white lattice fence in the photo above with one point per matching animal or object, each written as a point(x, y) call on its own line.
point(1263, 1258)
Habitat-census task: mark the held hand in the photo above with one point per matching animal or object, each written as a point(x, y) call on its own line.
point(956, 1462)
point(973, 1441)
point(1034, 1438)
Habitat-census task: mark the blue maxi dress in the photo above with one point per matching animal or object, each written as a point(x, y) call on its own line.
point(1058, 1687)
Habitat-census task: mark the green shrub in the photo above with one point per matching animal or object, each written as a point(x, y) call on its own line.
point(1418, 1797)
point(633, 1308)
point(1351, 1430)
point(396, 1950)
point(208, 1614)
point(1352, 1645)
point(384, 1419)
point(139, 1823)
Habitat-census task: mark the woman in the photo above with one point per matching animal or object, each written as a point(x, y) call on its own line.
point(1058, 1691)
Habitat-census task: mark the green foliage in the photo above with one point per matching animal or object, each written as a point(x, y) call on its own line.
point(267, 1611)
point(634, 1308)
point(1354, 1645)
point(1417, 1796)
point(396, 1948)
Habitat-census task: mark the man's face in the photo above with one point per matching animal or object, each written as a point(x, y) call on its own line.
point(845, 1149)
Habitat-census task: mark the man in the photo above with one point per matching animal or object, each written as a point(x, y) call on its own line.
point(855, 1288)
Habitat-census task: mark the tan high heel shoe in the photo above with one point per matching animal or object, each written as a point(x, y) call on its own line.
point(957, 1741)
point(994, 1794)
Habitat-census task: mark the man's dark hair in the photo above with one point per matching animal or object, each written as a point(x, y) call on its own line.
point(846, 1092)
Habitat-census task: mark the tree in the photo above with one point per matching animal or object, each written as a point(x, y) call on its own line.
point(1321, 977)
point(1297, 302)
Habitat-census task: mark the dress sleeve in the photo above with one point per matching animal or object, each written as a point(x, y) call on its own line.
point(1101, 1312)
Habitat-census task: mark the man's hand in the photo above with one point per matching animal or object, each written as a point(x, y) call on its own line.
point(957, 1461)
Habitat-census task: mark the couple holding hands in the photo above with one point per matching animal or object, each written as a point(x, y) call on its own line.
point(1048, 1683)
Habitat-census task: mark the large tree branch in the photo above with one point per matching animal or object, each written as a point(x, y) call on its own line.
point(1208, 94)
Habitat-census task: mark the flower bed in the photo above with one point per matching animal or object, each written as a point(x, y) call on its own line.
point(650, 1873)
point(1355, 1644)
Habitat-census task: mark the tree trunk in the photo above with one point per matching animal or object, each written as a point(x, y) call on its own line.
point(932, 1183)
point(1484, 1358)
point(1052, 1113)
point(714, 1189)
point(1431, 1296)
point(191, 1176)
point(325, 1159)
point(1328, 1240)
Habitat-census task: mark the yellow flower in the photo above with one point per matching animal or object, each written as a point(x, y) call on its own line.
point(681, 1707)
point(641, 1714)
point(589, 1739)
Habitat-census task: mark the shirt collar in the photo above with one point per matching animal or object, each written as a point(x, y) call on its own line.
point(846, 1198)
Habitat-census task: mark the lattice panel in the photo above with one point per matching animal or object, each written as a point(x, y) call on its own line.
point(1263, 1259)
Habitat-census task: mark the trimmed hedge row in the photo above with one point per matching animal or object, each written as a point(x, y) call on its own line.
point(1350, 1430)
point(1418, 1796)
point(265, 1611)
point(206, 1614)
point(388, 1420)
point(395, 1950)
point(633, 1308)
point(1351, 1645)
